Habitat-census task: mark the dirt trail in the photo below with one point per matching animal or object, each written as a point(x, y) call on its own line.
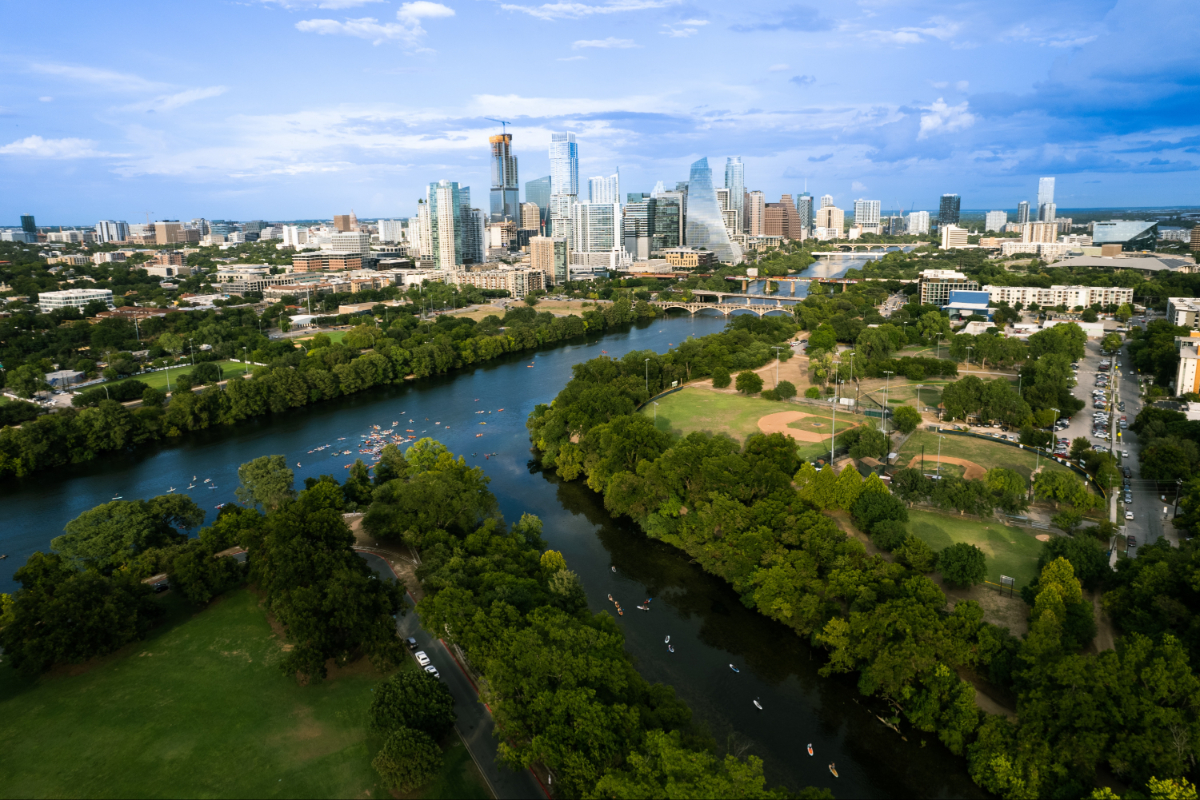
point(1105, 640)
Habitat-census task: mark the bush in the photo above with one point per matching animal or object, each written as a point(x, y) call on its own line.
point(183, 383)
point(916, 554)
point(413, 699)
point(408, 760)
point(962, 564)
point(888, 534)
point(749, 382)
point(906, 418)
point(873, 507)
point(16, 412)
point(770, 394)
point(786, 390)
point(153, 398)
point(721, 378)
point(121, 392)
point(812, 393)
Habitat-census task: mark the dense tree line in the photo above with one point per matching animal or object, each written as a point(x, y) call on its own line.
point(294, 377)
point(561, 689)
point(750, 513)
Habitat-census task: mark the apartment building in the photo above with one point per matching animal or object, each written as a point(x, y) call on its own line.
point(518, 281)
point(1187, 374)
point(1183, 311)
point(1068, 296)
point(937, 284)
point(324, 261)
point(689, 258)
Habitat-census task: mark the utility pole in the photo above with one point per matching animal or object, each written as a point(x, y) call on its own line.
point(939, 466)
point(647, 377)
point(776, 349)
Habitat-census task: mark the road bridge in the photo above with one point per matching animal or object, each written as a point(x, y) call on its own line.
point(849, 248)
point(760, 309)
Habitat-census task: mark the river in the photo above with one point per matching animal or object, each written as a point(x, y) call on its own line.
point(708, 625)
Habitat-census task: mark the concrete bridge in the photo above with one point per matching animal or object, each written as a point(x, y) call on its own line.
point(853, 247)
point(722, 296)
point(761, 309)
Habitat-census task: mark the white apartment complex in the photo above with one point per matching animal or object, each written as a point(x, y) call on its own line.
point(73, 298)
point(391, 230)
point(918, 223)
point(995, 220)
point(1069, 296)
point(936, 285)
point(866, 215)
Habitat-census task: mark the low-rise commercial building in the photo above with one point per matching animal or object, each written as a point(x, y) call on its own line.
point(936, 285)
point(108, 258)
point(325, 261)
point(688, 258)
point(73, 259)
point(953, 236)
point(180, 270)
point(73, 298)
point(1187, 374)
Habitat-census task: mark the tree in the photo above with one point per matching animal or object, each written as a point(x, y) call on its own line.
point(785, 390)
point(812, 393)
point(153, 398)
point(869, 443)
point(962, 564)
point(408, 760)
point(1062, 487)
point(849, 487)
point(413, 699)
point(266, 481)
point(1008, 489)
point(1111, 342)
point(1067, 520)
point(906, 418)
point(720, 377)
point(821, 340)
point(27, 380)
point(872, 507)
point(1079, 446)
point(916, 554)
point(749, 382)
point(1089, 316)
point(109, 535)
point(1124, 313)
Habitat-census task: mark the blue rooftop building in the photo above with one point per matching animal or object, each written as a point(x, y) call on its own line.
point(963, 304)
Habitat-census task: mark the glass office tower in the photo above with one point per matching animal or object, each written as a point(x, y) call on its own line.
point(538, 191)
point(506, 194)
point(705, 224)
point(948, 210)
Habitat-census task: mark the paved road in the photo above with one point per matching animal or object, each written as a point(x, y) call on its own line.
point(474, 723)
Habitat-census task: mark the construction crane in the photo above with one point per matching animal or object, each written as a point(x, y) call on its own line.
point(502, 122)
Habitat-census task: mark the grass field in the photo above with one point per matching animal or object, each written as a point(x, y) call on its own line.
point(1010, 551)
point(736, 415)
point(334, 336)
point(200, 709)
point(985, 453)
point(158, 380)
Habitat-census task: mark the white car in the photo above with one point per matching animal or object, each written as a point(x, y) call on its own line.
point(433, 671)
point(421, 658)
point(1124, 454)
point(1128, 515)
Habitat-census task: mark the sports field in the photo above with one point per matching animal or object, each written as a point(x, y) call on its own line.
point(200, 709)
point(738, 416)
point(1010, 551)
point(334, 336)
point(985, 453)
point(158, 380)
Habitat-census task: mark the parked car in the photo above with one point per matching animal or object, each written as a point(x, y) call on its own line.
point(161, 587)
point(433, 671)
point(421, 658)
point(412, 643)
point(1128, 515)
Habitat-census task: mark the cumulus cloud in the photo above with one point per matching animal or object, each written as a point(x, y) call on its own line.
point(943, 118)
point(936, 28)
point(568, 10)
point(858, 187)
point(406, 30)
point(682, 30)
point(37, 147)
point(608, 44)
point(423, 9)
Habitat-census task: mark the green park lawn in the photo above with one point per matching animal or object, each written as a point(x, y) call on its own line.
point(985, 453)
point(735, 415)
point(334, 336)
point(199, 709)
point(1010, 551)
point(158, 380)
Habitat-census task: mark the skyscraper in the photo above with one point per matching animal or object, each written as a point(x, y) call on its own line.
point(918, 223)
point(474, 229)
point(506, 194)
point(755, 208)
point(111, 230)
point(705, 225)
point(549, 254)
point(538, 191)
point(1045, 200)
point(27, 224)
point(445, 224)
point(531, 216)
point(948, 210)
point(866, 215)
point(341, 223)
point(638, 227)
point(735, 182)
point(564, 164)
point(826, 200)
point(603, 189)
point(1022, 212)
point(668, 219)
point(804, 207)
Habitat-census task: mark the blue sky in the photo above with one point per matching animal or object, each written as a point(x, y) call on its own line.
point(285, 109)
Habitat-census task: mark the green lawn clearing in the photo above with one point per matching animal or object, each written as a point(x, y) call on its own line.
point(697, 409)
point(987, 454)
point(1010, 551)
point(158, 380)
point(199, 709)
point(334, 336)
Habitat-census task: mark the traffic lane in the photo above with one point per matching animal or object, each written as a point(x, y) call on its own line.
point(474, 721)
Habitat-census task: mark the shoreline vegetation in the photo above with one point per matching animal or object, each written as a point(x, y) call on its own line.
point(753, 514)
point(366, 357)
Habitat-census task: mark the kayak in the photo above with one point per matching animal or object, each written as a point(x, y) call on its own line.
point(758, 705)
point(833, 769)
point(735, 669)
point(810, 750)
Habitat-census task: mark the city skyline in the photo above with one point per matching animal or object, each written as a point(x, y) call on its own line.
point(385, 101)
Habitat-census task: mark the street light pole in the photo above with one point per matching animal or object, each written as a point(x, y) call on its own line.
point(647, 377)
point(833, 424)
point(776, 349)
point(886, 381)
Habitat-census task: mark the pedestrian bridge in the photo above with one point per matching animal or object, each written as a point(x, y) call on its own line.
point(760, 309)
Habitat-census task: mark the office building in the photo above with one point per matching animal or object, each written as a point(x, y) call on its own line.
point(948, 209)
point(918, 223)
point(826, 200)
point(1039, 232)
point(531, 216)
point(560, 215)
point(638, 229)
point(936, 285)
point(597, 227)
point(735, 183)
point(967, 304)
point(668, 221)
point(73, 298)
point(804, 207)
point(564, 164)
point(866, 215)
point(28, 225)
point(755, 208)
point(108, 257)
point(995, 221)
point(173, 232)
point(341, 223)
point(253, 226)
point(325, 261)
point(1022, 212)
point(636, 197)
point(474, 235)
point(445, 224)
point(1069, 297)
point(1131, 235)
point(550, 255)
point(1195, 239)
point(1187, 374)
point(506, 192)
point(895, 225)
point(351, 242)
point(781, 219)
point(111, 230)
point(1045, 200)
point(831, 218)
point(603, 189)
point(953, 236)
point(689, 258)
point(705, 225)
point(538, 191)
point(17, 235)
point(295, 236)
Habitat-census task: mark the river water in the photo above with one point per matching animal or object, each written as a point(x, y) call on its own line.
point(707, 623)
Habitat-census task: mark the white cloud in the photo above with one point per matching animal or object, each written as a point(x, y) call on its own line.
point(37, 147)
point(169, 102)
point(566, 10)
point(942, 118)
point(962, 86)
point(684, 29)
point(108, 79)
point(46, 99)
point(778, 67)
point(407, 29)
point(423, 9)
point(608, 44)
point(858, 187)
point(937, 28)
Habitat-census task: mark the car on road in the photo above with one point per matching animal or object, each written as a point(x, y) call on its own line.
point(1125, 454)
point(421, 658)
point(161, 587)
point(1131, 541)
point(412, 643)
point(1128, 515)
point(433, 671)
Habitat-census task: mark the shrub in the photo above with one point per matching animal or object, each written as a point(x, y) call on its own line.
point(786, 390)
point(962, 564)
point(812, 393)
point(408, 760)
point(153, 398)
point(749, 382)
point(873, 507)
point(770, 394)
point(721, 378)
point(916, 554)
point(888, 534)
point(906, 418)
point(413, 699)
